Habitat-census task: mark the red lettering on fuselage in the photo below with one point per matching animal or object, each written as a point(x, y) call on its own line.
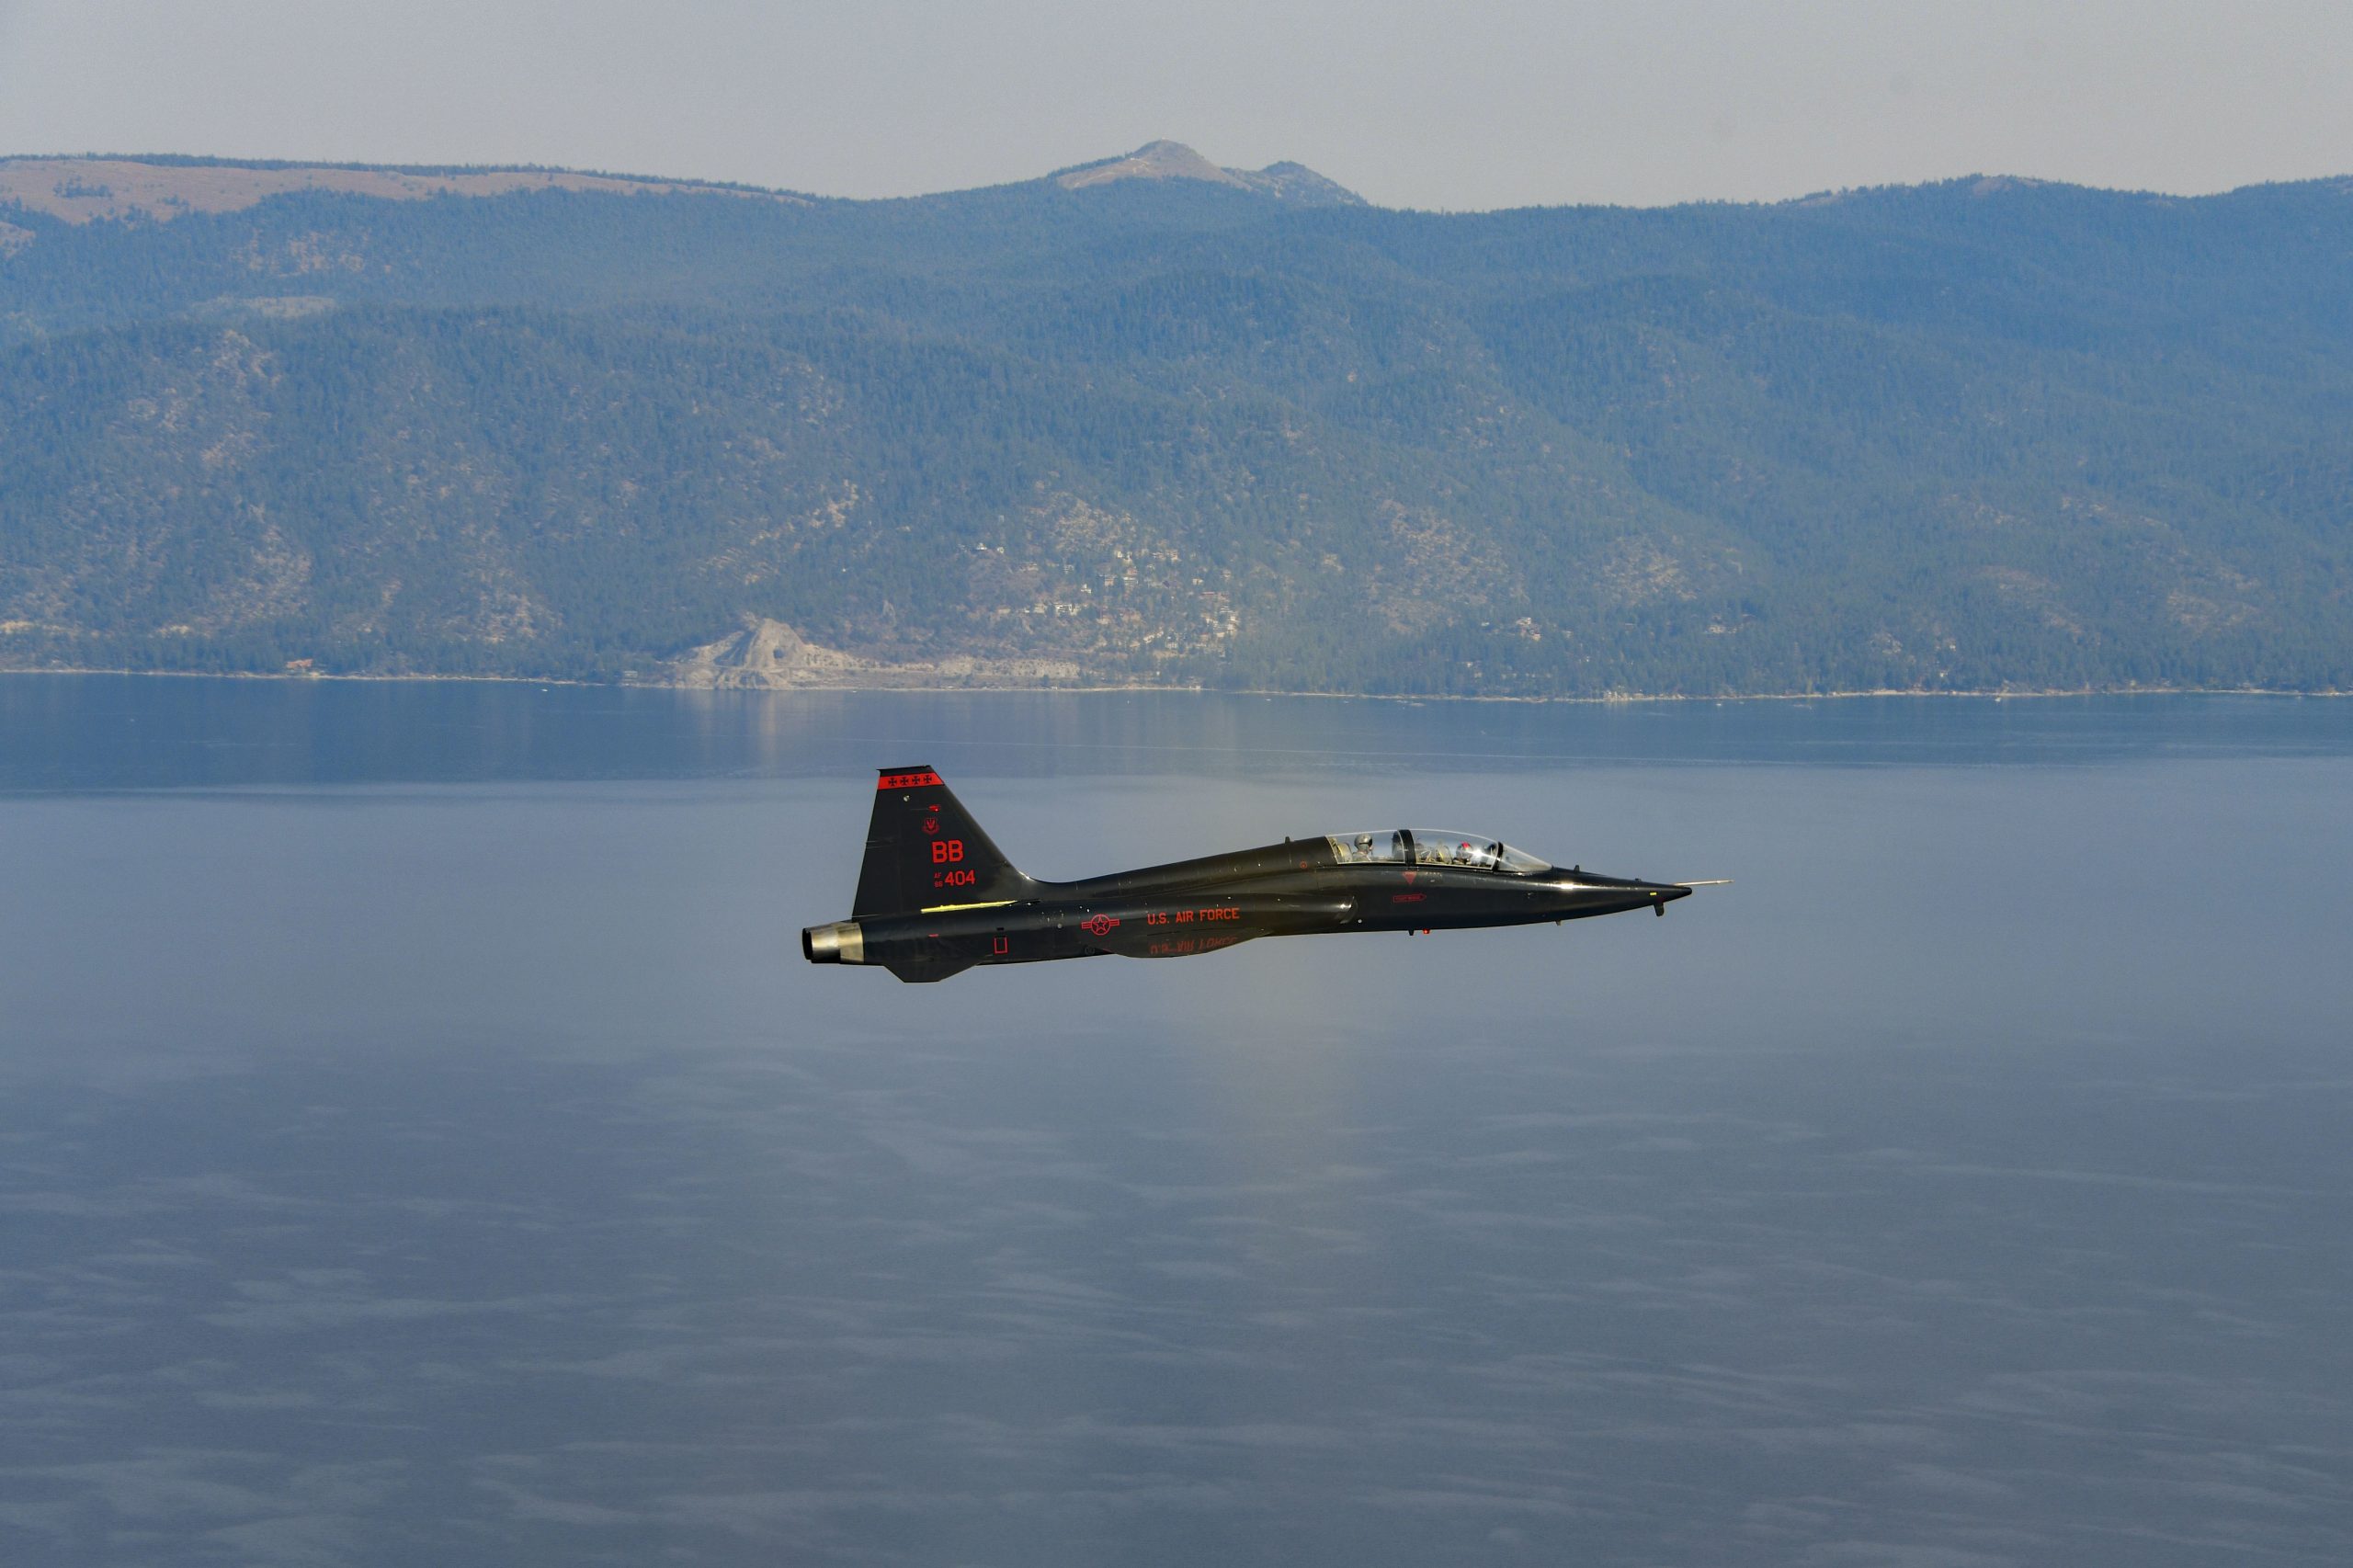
point(1185, 945)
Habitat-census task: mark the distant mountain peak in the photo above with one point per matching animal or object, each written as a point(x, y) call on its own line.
point(1174, 160)
point(1154, 160)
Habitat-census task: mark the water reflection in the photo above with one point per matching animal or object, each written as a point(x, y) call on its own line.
point(103, 732)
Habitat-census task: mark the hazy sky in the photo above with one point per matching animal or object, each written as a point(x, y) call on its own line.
point(1475, 103)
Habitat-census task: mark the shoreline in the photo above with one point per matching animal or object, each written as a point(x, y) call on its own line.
point(2003, 693)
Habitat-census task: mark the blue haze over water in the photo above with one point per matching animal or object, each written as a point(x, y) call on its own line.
point(421, 1141)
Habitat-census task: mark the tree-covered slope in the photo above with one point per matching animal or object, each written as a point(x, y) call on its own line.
point(1981, 434)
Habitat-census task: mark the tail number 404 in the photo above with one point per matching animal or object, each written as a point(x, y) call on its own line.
point(947, 852)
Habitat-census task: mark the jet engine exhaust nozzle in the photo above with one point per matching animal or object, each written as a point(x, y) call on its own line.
point(840, 942)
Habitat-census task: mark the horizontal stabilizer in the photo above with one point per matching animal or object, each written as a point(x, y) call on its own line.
point(924, 972)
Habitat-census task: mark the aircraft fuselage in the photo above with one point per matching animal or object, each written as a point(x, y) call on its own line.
point(971, 907)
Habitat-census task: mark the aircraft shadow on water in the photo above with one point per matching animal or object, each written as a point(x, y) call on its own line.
point(935, 896)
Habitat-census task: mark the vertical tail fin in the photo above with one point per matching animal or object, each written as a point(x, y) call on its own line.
point(924, 850)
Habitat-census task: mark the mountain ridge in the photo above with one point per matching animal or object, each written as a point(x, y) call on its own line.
point(30, 179)
point(87, 188)
point(1166, 429)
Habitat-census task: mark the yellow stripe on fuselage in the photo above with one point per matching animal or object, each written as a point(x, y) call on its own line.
point(951, 908)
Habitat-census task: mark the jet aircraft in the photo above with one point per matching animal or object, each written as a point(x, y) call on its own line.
point(935, 896)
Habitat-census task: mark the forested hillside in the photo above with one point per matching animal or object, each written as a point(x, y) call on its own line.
point(1144, 422)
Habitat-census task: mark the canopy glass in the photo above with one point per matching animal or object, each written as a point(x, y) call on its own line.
point(1433, 847)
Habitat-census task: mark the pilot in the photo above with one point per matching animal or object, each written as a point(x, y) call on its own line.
point(1364, 847)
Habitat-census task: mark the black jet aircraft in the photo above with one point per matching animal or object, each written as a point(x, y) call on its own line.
point(935, 897)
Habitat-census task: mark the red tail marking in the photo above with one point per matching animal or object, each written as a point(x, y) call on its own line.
point(909, 782)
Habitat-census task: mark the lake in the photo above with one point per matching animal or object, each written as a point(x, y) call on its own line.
point(423, 1141)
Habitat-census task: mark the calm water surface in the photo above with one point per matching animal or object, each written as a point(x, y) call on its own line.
point(421, 1142)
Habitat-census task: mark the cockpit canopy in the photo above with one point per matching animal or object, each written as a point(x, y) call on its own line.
point(1433, 847)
